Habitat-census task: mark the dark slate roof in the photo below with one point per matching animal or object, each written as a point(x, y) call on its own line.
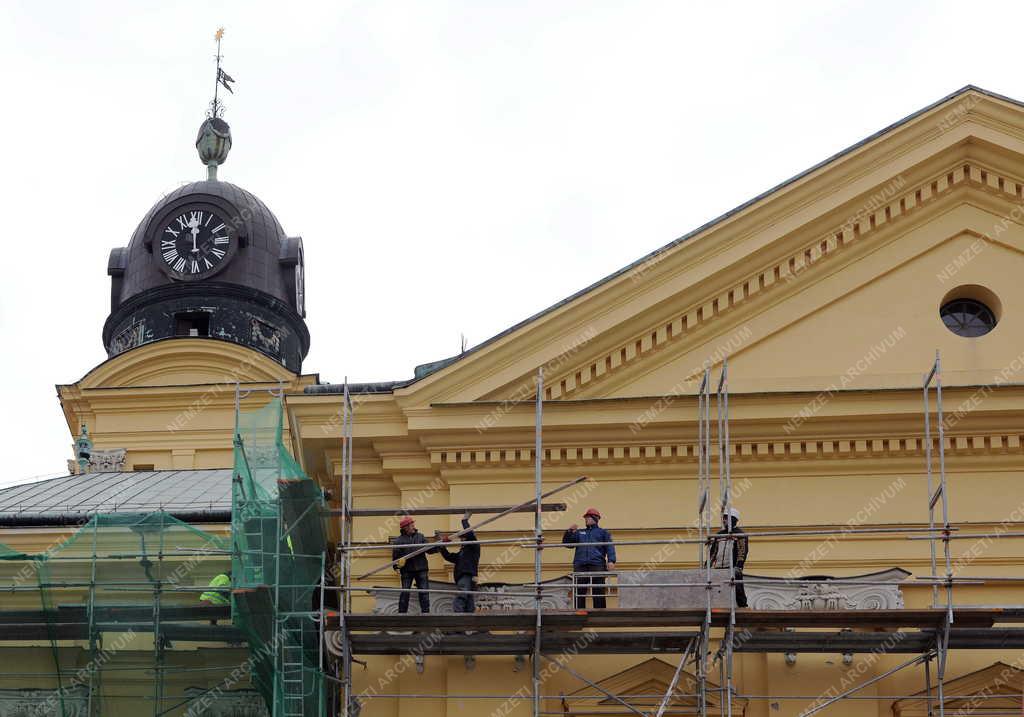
point(193, 495)
point(424, 370)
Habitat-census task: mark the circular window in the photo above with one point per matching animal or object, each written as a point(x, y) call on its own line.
point(968, 317)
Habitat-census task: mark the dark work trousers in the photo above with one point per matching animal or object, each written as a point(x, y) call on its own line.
point(741, 592)
point(464, 602)
point(422, 583)
point(583, 583)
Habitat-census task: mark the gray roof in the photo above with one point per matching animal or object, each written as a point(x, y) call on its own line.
point(192, 495)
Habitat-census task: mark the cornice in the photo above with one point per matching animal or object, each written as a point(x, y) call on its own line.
point(802, 450)
point(222, 359)
point(319, 416)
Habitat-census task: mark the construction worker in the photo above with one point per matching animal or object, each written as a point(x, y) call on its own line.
point(467, 562)
point(221, 595)
point(719, 557)
point(413, 569)
point(590, 558)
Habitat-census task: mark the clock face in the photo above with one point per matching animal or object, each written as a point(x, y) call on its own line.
point(195, 243)
point(300, 288)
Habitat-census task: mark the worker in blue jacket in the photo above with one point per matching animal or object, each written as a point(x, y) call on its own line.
point(590, 558)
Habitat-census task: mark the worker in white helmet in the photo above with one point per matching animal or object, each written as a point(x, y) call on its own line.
point(719, 557)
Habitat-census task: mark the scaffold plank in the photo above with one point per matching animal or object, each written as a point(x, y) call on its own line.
point(448, 510)
point(624, 618)
point(643, 643)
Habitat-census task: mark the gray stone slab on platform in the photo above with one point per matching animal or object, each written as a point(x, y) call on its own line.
point(690, 596)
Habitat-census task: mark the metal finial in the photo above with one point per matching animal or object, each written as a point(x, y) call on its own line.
point(214, 140)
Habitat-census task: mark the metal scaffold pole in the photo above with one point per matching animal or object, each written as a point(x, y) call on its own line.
point(938, 495)
point(704, 531)
point(345, 555)
point(538, 536)
point(725, 484)
point(158, 641)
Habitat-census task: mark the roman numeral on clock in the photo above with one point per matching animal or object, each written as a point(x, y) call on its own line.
point(179, 264)
point(195, 266)
point(219, 253)
point(170, 255)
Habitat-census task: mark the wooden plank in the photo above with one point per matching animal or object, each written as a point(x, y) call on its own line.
point(554, 619)
point(135, 613)
point(449, 510)
point(625, 643)
point(645, 643)
point(768, 619)
point(80, 631)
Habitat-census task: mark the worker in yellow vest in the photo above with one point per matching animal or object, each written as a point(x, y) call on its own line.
point(221, 595)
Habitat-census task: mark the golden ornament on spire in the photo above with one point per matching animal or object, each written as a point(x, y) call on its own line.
point(219, 34)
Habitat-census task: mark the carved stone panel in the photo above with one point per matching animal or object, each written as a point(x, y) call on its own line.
point(44, 703)
point(227, 703)
point(107, 461)
point(822, 593)
point(555, 595)
point(652, 594)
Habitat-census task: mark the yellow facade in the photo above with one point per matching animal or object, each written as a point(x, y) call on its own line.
point(824, 296)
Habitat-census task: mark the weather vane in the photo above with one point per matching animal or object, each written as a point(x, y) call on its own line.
point(214, 140)
point(223, 79)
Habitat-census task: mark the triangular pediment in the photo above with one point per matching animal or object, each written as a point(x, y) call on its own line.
point(643, 686)
point(872, 323)
point(993, 690)
point(792, 285)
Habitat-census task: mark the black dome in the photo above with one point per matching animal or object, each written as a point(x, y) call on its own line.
point(257, 267)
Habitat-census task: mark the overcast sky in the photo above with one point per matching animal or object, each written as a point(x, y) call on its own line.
point(453, 167)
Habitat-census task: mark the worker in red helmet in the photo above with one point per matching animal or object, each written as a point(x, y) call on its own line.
point(413, 569)
point(590, 558)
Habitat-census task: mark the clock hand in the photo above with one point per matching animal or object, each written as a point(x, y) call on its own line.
point(194, 226)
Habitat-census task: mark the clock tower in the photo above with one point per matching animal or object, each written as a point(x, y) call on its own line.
point(210, 261)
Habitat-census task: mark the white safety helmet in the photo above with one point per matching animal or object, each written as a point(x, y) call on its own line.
point(733, 513)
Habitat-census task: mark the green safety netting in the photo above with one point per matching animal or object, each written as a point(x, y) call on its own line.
point(278, 558)
point(114, 604)
point(117, 606)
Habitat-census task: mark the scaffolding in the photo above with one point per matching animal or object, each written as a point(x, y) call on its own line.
point(110, 601)
point(928, 633)
point(279, 559)
point(125, 574)
point(138, 582)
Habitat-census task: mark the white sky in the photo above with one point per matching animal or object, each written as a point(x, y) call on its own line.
point(452, 167)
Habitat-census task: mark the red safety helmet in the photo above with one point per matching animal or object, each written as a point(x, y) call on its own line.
point(594, 512)
point(407, 520)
